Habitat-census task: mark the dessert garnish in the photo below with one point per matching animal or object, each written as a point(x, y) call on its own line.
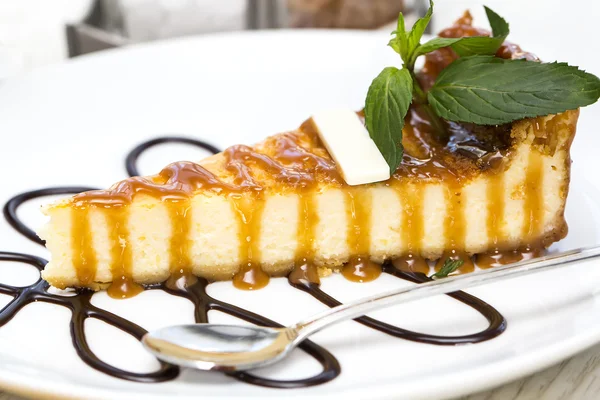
point(477, 87)
point(356, 157)
point(449, 267)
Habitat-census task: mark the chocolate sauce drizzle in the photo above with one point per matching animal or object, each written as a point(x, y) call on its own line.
point(195, 291)
point(133, 156)
point(81, 309)
point(10, 208)
point(497, 323)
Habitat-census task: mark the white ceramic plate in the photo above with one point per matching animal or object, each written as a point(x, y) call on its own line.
point(73, 124)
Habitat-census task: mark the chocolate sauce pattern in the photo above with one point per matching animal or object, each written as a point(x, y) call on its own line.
point(195, 291)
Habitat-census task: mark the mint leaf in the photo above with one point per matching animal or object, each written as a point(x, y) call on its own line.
point(449, 267)
point(387, 103)
point(405, 43)
point(487, 90)
point(400, 42)
point(415, 35)
point(497, 23)
point(468, 46)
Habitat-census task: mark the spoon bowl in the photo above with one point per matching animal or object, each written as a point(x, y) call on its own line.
point(220, 347)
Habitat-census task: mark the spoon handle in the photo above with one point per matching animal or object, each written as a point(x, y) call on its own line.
point(441, 286)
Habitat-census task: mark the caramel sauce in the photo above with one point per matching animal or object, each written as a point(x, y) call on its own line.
point(173, 185)
point(412, 263)
point(123, 285)
point(454, 225)
point(359, 268)
point(250, 276)
point(180, 280)
point(84, 257)
point(411, 229)
point(497, 258)
point(534, 199)
point(304, 272)
point(304, 267)
point(495, 211)
point(180, 215)
point(317, 167)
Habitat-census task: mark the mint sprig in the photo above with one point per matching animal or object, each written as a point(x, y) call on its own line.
point(477, 88)
point(449, 267)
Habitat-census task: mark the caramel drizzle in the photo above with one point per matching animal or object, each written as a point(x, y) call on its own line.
point(412, 229)
point(84, 257)
point(495, 211)
point(181, 219)
point(250, 276)
point(174, 186)
point(123, 285)
point(534, 199)
point(305, 270)
point(412, 263)
point(455, 231)
point(359, 268)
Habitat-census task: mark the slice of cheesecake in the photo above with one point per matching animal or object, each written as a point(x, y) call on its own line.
point(281, 206)
point(281, 202)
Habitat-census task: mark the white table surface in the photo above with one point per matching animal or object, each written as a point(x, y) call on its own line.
point(551, 28)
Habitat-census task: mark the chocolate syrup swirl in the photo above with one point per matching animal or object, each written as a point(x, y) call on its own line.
point(194, 289)
point(11, 206)
point(133, 156)
point(81, 309)
point(497, 323)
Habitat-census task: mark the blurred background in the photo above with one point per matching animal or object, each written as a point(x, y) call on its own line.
point(34, 33)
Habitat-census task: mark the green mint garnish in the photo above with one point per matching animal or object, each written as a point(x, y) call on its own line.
point(476, 88)
point(488, 90)
point(387, 103)
point(449, 267)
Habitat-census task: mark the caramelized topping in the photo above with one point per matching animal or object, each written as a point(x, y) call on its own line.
point(174, 183)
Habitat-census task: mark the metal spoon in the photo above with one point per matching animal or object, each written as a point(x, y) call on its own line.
point(235, 348)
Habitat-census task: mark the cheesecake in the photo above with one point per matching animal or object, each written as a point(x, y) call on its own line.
point(282, 207)
point(267, 208)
